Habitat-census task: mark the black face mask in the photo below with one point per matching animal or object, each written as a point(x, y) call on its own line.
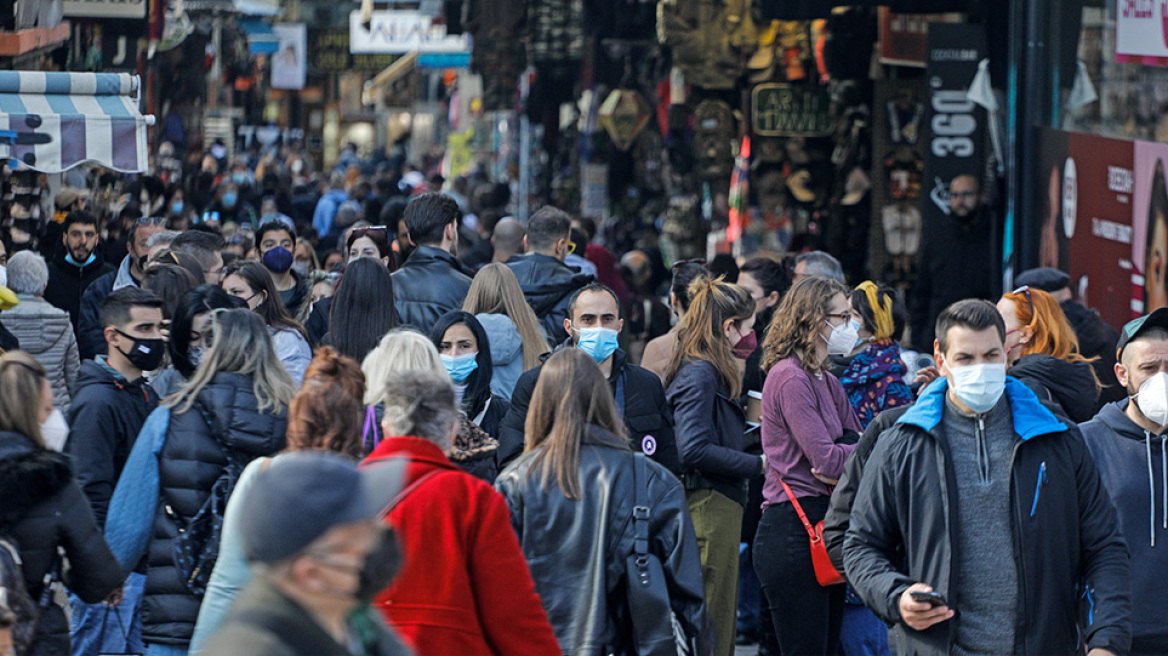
point(381, 565)
point(145, 354)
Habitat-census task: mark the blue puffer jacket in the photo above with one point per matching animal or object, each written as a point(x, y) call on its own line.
point(506, 352)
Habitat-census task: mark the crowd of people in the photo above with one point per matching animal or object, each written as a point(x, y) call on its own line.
point(395, 421)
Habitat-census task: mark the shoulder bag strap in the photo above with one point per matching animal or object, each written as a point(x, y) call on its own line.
point(401, 496)
point(798, 508)
point(641, 510)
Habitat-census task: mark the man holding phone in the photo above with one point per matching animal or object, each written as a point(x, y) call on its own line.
point(981, 525)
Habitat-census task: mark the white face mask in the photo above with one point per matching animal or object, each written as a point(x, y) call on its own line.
point(1152, 399)
point(842, 340)
point(979, 386)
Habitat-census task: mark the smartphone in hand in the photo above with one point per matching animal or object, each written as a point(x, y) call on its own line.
point(931, 598)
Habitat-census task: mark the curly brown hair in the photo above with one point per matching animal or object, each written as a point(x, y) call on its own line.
point(794, 330)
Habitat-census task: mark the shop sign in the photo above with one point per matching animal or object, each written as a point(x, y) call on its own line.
point(904, 37)
point(329, 53)
point(785, 110)
point(1141, 32)
point(104, 8)
point(1091, 190)
point(400, 32)
point(955, 135)
point(289, 64)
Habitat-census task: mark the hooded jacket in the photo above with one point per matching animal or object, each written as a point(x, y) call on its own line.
point(1096, 340)
point(1134, 466)
point(464, 587)
point(1069, 385)
point(506, 352)
point(548, 285)
point(298, 300)
point(67, 282)
point(578, 550)
point(46, 333)
point(430, 284)
point(89, 338)
point(106, 415)
point(1074, 577)
point(43, 509)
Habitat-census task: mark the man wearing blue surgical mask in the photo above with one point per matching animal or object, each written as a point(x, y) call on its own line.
point(981, 525)
point(276, 242)
point(593, 325)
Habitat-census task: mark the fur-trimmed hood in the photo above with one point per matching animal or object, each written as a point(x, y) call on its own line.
point(29, 475)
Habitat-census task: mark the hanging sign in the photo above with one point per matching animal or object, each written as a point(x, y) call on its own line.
point(1141, 32)
point(400, 32)
point(785, 110)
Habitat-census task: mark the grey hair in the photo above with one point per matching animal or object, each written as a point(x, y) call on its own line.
point(402, 349)
point(28, 273)
point(165, 238)
point(822, 264)
point(420, 404)
point(239, 342)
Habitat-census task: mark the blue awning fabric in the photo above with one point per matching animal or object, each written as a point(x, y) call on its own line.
point(51, 122)
point(261, 38)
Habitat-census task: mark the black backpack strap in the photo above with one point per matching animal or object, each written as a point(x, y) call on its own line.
point(641, 510)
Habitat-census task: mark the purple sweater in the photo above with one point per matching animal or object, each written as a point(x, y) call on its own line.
point(802, 416)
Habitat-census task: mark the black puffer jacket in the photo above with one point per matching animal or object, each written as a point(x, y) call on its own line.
point(567, 543)
point(42, 508)
point(67, 282)
point(646, 413)
point(548, 285)
point(430, 284)
point(195, 455)
point(1069, 385)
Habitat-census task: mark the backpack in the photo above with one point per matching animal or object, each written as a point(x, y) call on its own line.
point(15, 595)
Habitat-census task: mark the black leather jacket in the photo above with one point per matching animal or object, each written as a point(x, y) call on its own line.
point(577, 550)
point(548, 285)
point(430, 284)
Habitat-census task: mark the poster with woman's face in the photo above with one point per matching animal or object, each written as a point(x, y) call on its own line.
point(289, 64)
point(1150, 229)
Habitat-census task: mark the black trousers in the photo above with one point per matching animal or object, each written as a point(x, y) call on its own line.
point(807, 616)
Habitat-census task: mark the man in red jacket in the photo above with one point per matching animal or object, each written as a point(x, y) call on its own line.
point(465, 587)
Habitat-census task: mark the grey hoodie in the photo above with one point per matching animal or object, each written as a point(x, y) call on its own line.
point(506, 352)
point(1133, 465)
point(47, 333)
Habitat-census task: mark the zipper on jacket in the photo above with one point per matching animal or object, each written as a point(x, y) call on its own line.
point(1090, 604)
point(1038, 487)
point(1019, 553)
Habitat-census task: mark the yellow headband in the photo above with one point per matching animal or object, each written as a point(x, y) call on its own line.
point(881, 313)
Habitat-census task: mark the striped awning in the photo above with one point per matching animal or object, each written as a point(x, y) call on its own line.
point(51, 122)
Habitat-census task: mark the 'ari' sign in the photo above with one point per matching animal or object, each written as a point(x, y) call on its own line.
point(784, 110)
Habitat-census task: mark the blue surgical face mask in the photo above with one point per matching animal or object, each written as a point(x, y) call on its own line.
point(460, 367)
point(600, 343)
point(88, 261)
point(229, 199)
point(195, 354)
point(176, 207)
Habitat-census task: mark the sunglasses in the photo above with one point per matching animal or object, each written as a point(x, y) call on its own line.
point(371, 230)
point(151, 220)
point(1025, 290)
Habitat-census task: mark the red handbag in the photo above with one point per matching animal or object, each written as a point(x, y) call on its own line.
point(825, 572)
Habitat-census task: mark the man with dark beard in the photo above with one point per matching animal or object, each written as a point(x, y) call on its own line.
point(76, 265)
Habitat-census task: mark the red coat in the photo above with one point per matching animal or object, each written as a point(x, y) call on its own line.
point(464, 587)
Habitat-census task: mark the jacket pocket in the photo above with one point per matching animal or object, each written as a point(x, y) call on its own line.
point(1038, 487)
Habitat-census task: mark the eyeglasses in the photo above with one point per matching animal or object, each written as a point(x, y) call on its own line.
point(151, 220)
point(841, 315)
point(697, 260)
point(1025, 290)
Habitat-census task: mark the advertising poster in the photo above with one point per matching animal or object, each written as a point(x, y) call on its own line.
point(290, 63)
point(1149, 252)
point(1086, 226)
point(1141, 32)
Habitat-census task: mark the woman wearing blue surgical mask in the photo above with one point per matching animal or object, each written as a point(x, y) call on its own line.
point(703, 383)
point(465, 351)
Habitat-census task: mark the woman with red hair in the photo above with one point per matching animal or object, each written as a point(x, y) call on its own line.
point(1043, 352)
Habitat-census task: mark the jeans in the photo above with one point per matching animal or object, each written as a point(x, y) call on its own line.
point(748, 593)
point(863, 634)
point(96, 627)
point(717, 521)
point(806, 615)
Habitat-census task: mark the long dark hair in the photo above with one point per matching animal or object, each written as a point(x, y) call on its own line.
point(478, 385)
point(199, 300)
point(362, 308)
point(271, 309)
